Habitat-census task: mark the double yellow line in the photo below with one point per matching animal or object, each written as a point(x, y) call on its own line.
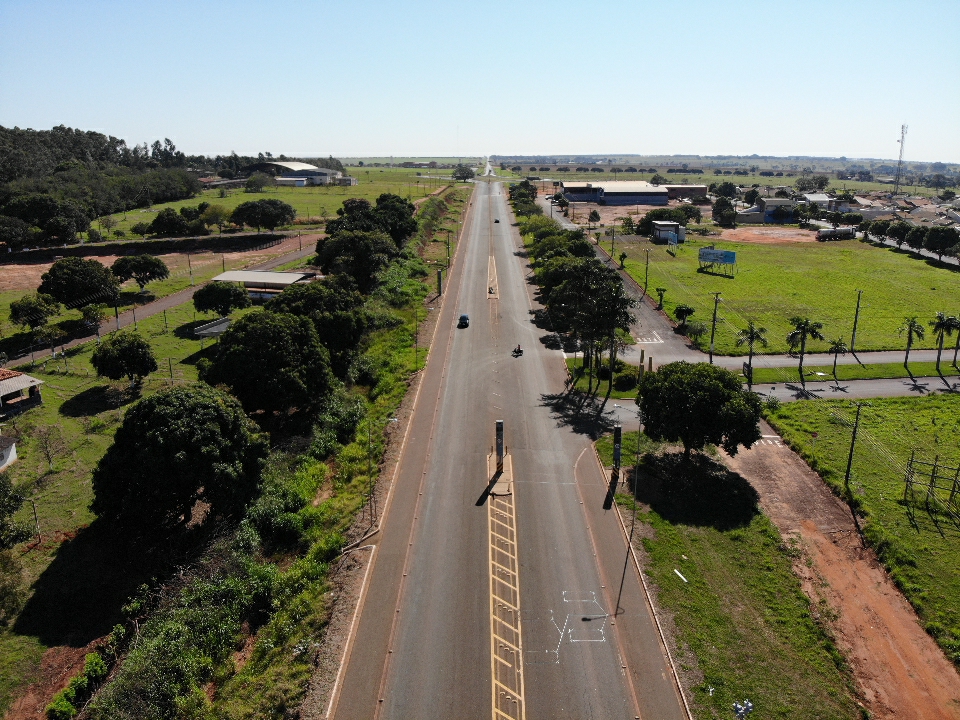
point(506, 656)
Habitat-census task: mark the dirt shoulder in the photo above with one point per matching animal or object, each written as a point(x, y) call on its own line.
point(899, 669)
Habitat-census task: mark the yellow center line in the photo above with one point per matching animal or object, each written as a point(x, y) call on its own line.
point(506, 654)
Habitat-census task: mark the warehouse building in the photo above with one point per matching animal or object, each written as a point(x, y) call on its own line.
point(297, 174)
point(622, 192)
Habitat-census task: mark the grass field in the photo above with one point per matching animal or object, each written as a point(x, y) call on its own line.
point(310, 202)
point(817, 280)
point(920, 546)
point(817, 373)
point(744, 627)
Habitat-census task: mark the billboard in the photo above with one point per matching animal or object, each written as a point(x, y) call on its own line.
point(718, 257)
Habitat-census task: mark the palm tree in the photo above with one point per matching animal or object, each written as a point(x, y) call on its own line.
point(804, 328)
point(837, 347)
point(943, 326)
point(748, 336)
point(913, 329)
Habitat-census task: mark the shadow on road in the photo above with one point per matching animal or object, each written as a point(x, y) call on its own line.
point(584, 414)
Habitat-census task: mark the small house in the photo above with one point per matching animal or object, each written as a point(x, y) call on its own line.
point(8, 451)
point(12, 387)
point(666, 230)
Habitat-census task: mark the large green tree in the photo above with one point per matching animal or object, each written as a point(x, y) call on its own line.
point(178, 447)
point(221, 297)
point(76, 282)
point(268, 214)
point(392, 215)
point(939, 239)
point(170, 223)
point(273, 362)
point(462, 173)
point(33, 310)
point(361, 255)
point(335, 308)
point(142, 268)
point(125, 354)
point(698, 404)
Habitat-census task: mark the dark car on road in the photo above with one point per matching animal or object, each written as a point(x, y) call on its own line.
point(496, 219)
point(464, 321)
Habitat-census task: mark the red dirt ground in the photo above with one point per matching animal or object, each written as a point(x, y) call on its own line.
point(58, 666)
point(769, 235)
point(899, 670)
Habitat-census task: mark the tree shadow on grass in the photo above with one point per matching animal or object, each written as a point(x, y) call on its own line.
point(96, 400)
point(698, 491)
point(78, 597)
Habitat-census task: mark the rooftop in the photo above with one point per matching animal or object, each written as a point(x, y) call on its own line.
point(260, 277)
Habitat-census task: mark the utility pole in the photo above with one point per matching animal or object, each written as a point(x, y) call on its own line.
point(853, 442)
point(448, 248)
point(646, 273)
point(713, 329)
point(853, 338)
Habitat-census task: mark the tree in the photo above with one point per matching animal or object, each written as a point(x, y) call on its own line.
point(76, 282)
point(392, 215)
point(594, 216)
point(915, 237)
point(169, 223)
point(682, 312)
point(336, 310)
point(15, 233)
point(216, 215)
point(94, 315)
point(141, 228)
point(837, 347)
point(804, 328)
point(659, 179)
point(361, 255)
point(263, 214)
point(696, 330)
point(698, 404)
point(912, 327)
point(256, 182)
point(125, 354)
point(462, 173)
point(178, 447)
point(749, 336)
point(939, 239)
point(691, 212)
point(781, 193)
point(879, 228)
point(12, 533)
point(751, 196)
point(142, 268)
point(723, 212)
point(273, 362)
point(33, 311)
point(221, 297)
point(108, 223)
point(727, 189)
point(898, 231)
point(49, 441)
point(943, 326)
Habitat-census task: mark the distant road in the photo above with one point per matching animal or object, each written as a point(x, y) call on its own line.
point(457, 571)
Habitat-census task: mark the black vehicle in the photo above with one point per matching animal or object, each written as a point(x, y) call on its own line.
point(464, 321)
point(517, 351)
point(496, 219)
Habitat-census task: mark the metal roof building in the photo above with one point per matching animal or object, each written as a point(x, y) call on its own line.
point(264, 284)
point(616, 192)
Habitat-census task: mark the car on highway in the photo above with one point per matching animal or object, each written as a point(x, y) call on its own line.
point(464, 321)
point(496, 219)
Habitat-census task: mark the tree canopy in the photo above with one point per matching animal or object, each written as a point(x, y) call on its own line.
point(142, 268)
point(221, 297)
point(463, 172)
point(33, 310)
point(392, 215)
point(175, 448)
point(76, 282)
point(273, 362)
point(268, 214)
point(699, 404)
point(125, 354)
point(361, 255)
point(169, 222)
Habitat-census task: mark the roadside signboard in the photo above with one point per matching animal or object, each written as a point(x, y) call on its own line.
point(718, 257)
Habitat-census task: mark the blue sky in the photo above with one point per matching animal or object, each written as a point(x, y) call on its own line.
point(454, 78)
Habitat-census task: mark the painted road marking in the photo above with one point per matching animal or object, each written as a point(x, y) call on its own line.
point(653, 337)
point(506, 653)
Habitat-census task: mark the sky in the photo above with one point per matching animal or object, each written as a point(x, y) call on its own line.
point(366, 78)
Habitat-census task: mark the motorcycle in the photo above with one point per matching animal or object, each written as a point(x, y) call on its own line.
point(517, 352)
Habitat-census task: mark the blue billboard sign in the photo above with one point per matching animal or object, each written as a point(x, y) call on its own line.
point(718, 257)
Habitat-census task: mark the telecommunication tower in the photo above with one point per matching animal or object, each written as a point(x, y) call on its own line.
point(903, 137)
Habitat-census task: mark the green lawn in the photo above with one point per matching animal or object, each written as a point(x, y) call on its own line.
point(817, 280)
point(920, 547)
point(309, 202)
point(740, 615)
point(816, 373)
point(624, 382)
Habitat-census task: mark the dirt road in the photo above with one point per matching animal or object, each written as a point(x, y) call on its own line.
point(900, 671)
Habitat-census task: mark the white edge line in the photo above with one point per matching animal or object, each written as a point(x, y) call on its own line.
point(348, 646)
point(646, 592)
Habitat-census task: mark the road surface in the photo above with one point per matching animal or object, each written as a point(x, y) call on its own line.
point(499, 605)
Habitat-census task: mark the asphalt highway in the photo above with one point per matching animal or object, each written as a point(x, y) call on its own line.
point(500, 606)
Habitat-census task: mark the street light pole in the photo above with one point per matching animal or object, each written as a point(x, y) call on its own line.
point(713, 329)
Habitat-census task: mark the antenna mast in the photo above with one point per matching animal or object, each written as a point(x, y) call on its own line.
point(903, 137)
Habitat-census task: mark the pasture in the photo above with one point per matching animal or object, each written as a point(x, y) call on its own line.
point(918, 541)
point(774, 282)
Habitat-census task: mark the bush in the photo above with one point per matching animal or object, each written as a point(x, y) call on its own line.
point(94, 236)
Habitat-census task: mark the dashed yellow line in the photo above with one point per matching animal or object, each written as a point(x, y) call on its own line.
point(506, 653)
